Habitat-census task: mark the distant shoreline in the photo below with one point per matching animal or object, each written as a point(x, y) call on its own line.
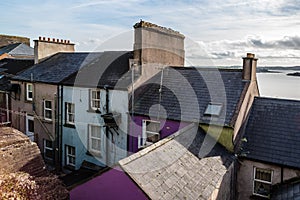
point(294, 74)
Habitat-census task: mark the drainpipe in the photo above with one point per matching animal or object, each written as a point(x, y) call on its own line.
point(57, 141)
point(281, 175)
point(106, 128)
point(60, 125)
point(7, 107)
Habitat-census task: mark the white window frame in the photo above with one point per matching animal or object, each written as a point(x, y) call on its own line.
point(142, 140)
point(261, 181)
point(70, 155)
point(47, 110)
point(29, 133)
point(92, 100)
point(68, 112)
point(28, 91)
point(90, 138)
point(48, 148)
point(210, 111)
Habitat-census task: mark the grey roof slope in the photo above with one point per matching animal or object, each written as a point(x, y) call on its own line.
point(14, 65)
point(111, 69)
point(17, 49)
point(187, 91)
point(289, 190)
point(57, 67)
point(186, 165)
point(10, 67)
point(273, 132)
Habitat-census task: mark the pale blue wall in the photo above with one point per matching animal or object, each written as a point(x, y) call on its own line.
point(78, 137)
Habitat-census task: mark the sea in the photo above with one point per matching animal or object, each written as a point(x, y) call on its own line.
point(276, 83)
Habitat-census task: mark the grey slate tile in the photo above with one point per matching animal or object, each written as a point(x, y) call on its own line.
point(187, 91)
point(271, 134)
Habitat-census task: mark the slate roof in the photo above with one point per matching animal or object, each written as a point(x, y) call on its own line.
point(57, 67)
point(187, 91)
point(110, 69)
point(10, 67)
point(186, 165)
point(17, 49)
point(13, 65)
point(273, 132)
point(288, 191)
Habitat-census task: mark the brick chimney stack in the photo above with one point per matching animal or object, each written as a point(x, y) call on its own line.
point(249, 67)
point(45, 47)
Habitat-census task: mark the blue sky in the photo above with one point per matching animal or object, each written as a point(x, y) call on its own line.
point(217, 32)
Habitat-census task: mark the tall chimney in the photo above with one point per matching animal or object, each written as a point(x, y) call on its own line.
point(44, 48)
point(156, 44)
point(249, 67)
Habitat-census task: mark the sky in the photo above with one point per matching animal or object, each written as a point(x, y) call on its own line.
point(218, 32)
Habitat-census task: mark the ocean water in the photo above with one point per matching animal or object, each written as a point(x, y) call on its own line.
point(279, 85)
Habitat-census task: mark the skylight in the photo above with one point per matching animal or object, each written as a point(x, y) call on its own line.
point(213, 109)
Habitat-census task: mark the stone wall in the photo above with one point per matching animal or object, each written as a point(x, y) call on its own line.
point(19, 154)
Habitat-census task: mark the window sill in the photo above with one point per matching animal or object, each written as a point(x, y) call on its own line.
point(47, 121)
point(28, 101)
point(69, 125)
point(93, 154)
point(93, 111)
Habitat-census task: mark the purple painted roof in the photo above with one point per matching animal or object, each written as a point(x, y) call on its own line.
point(113, 184)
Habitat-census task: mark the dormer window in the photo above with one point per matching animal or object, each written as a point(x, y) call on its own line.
point(29, 93)
point(95, 99)
point(213, 109)
point(150, 133)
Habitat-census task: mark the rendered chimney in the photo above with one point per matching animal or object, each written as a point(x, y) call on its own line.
point(249, 67)
point(44, 48)
point(156, 44)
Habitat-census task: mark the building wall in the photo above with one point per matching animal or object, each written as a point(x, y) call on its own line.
point(166, 128)
point(78, 136)
point(245, 176)
point(43, 129)
point(245, 105)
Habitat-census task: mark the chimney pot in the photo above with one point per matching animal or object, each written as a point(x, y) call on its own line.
point(250, 55)
point(53, 39)
point(44, 38)
point(48, 39)
point(68, 41)
point(61, 40)
point(65, 41)
point(40, 38)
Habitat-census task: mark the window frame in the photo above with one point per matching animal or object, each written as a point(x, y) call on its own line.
point(69, 154)
point(142, 139)
point(261, 181)
point(47, 109)
point(208, 110)
point(48, 148)
point(67, 110)
point(95, 99)
point(90, 138)
point(29, 91)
